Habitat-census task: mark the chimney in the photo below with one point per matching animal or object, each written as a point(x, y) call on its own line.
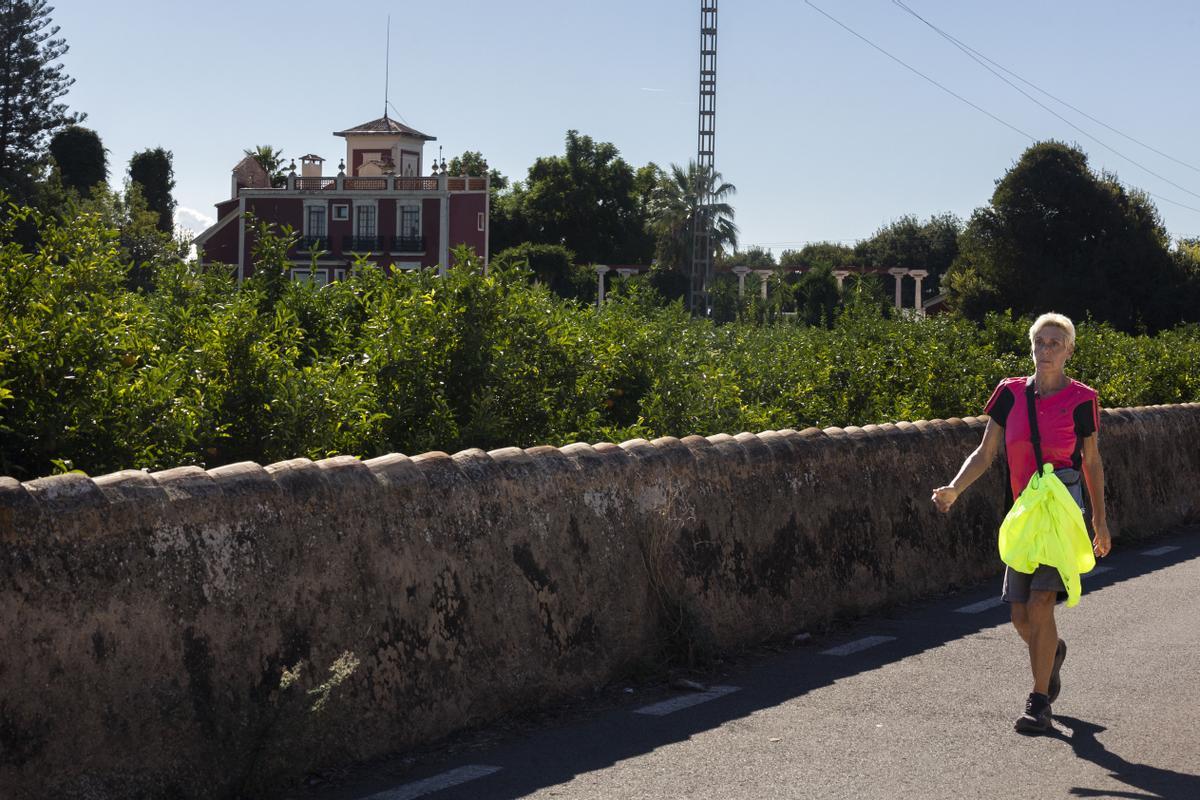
point(310, 166)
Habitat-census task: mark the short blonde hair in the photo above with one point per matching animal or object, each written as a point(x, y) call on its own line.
point(1055, 321)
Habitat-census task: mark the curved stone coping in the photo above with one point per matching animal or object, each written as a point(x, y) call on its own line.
point(73, 493)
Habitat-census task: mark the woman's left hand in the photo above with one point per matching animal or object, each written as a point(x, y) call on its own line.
point(1102, 541)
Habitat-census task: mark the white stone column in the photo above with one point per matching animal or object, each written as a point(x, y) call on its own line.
point(741, 272)
point(601, 271)
point(841, 275)
point(898, 273)
point(763, 275)
point(917, 275)
point(626, 272)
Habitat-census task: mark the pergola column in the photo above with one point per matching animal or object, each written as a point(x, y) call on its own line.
point(741, 272)
point(841, 275)
point(898, 273)
point(763, 275)
point(917, 275)
point(601, 271)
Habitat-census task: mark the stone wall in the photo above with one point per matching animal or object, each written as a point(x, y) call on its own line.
point(212, 634)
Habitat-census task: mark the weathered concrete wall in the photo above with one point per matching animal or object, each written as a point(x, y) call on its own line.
point(192, 633)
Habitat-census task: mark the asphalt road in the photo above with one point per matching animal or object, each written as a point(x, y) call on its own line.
point(915, 704)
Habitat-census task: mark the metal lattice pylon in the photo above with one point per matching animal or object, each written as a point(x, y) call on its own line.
point(706, 146)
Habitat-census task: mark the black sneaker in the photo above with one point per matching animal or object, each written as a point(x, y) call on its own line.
point(1060, 655)
point(1037, 717)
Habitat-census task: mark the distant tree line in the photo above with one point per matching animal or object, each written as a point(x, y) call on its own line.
point(1055, 234)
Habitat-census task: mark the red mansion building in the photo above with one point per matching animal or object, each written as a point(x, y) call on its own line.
point(380, 205)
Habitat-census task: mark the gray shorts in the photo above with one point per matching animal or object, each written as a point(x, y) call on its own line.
point(1018, 585)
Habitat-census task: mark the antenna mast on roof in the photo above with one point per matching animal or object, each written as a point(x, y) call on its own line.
point(387, 66)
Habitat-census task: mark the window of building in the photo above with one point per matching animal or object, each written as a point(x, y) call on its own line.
point(410, 164)
point(341, 212)
point(479, 220)
point(410, 221)
point(365, 221)
point(314, 221)
point(320, 277)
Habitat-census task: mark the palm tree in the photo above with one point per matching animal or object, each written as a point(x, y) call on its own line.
point(271, 160)
point(673, 208)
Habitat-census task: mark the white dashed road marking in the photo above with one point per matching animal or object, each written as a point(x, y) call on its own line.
point(411, 791)
point(1161, 551)
point(858, 646)
point(686, 701)
point(982, 605)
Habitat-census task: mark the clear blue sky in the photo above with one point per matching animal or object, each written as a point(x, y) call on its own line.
point(824, 137)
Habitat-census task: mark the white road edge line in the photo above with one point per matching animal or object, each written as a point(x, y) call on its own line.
point(686, 701)
point(411, 791)
point(858, 645)
point(982, 605)
point(1161, 551)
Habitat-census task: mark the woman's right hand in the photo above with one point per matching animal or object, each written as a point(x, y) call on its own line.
point(944, 497)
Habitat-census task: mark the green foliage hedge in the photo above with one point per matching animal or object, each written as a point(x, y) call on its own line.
point(201, 371)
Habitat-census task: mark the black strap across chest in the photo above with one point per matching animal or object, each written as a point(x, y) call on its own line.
point(1034, 436)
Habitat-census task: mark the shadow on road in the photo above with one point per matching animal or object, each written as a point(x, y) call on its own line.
point(1159, 784)
point(557, 754)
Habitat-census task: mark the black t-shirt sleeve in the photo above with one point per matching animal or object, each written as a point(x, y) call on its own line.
point(999, 405)
point(1086, 414)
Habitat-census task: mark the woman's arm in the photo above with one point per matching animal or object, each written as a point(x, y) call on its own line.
point(976, 464)
point(1093, 473)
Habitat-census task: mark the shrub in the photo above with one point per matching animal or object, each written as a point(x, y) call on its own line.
point(199, 370)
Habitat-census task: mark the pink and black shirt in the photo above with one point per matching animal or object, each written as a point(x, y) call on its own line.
point(1065, 419)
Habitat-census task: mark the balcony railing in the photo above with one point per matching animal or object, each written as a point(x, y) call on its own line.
point(362, 244)
point(408, 244)
point(415, 184)
point(313, 243)
point(374, 184)
point(308, 184)
point(344, 183)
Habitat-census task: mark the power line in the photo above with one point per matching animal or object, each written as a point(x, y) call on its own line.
point(963, 45)
point(959, 97)
point(918, 72)
point(979, 60)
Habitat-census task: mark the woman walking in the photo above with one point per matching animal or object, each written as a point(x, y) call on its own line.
point(1067, 419)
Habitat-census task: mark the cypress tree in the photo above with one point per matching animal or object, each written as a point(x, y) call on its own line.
point(152, 171)
point(81, 158)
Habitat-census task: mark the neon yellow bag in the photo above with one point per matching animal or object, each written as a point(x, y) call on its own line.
point(1045, 526)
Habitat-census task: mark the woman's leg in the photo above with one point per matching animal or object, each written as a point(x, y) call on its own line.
point(1020, 620)
point(1041, 635)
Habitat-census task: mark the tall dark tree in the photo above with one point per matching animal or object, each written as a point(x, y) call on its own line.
point(81, 158)
point(1058, 236)
point(152, 171)
point(584, 200)
point(31, 83)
